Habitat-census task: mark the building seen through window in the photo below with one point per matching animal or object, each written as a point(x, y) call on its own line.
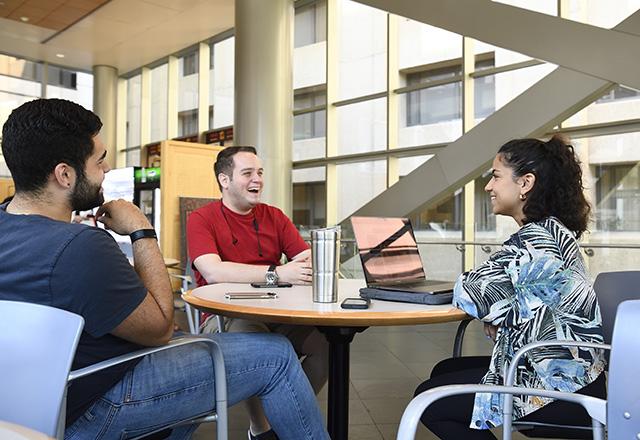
point(19, 68)
point(448, 214)
point(62, 78)
point(618, 197)
point(309, 198)
point(188, 122)
point(190, 64)
point(313, 124)
point(310, 24)
point(309, 205)
point(619, 92)
point(444, 102)
point(188, 94)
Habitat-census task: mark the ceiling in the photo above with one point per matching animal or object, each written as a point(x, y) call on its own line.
point(125, 34)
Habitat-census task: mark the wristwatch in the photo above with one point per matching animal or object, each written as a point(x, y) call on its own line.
point(271, 277)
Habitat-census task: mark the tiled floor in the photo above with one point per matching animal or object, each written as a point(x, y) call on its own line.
point(387, 364)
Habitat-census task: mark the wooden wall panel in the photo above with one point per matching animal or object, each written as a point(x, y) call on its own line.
point(7, 188)
point(186, 171)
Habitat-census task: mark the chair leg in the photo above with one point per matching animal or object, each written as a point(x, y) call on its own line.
point(220, 320)
point(192, 314)
point(598, 430)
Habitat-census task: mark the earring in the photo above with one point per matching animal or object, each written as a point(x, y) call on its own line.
point(523, 196)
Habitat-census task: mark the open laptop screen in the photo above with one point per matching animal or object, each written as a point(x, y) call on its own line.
point(388, 250)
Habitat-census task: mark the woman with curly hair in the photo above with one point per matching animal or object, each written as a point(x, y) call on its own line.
point(535, 288)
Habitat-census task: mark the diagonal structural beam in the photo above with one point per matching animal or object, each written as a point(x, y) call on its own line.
point(531, 114)
point(606, 54)
point(541, 107)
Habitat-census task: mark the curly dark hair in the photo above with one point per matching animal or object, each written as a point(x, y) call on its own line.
point(42, 133)
point(558, 189)
point(224, 162)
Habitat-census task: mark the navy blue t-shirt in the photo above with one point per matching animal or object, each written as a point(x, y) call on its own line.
point(80, 269)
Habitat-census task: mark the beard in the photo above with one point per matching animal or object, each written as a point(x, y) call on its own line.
point(86, 195)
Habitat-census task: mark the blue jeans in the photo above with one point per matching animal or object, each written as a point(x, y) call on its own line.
point(178, 384)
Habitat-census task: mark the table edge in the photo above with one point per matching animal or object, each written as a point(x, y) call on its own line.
point(355, 319)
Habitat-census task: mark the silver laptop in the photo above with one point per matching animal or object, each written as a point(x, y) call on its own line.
point(390, 258)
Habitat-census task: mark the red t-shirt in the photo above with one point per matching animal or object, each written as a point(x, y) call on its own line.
point(210, 231)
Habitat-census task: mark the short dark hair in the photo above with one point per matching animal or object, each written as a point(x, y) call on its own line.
point(224, 161)
point(558, 189)
point(42, 133)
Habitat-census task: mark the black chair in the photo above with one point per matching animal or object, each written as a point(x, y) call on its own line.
point(611, 289)
point(618, 412)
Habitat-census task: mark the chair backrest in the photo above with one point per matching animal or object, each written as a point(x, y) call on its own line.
point(611, 289)
point(623, 395)
point(37, 346)
point(187, 206)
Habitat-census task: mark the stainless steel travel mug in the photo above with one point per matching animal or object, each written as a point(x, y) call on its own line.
point(325, 258)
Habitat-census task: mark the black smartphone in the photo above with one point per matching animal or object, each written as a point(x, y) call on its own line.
point(356, 303)
point(267, 285)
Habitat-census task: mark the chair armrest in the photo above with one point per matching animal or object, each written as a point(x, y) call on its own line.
point(186, 278)
point(511, 373)
point(507, 408)
point(411, 416)
point(457, 343)
point(220, 375)
point(176, 342)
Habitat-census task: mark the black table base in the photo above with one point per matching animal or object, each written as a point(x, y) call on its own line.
point(338, 399)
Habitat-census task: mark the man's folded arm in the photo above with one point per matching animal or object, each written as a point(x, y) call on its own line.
point(214, 270)
point(151, 323)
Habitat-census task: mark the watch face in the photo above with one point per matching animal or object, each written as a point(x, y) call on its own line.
point(271, 277)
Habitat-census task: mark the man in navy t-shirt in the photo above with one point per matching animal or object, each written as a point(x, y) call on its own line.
point(58, 162)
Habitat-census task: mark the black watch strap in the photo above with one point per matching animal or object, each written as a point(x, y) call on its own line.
point(272, 268)
point(142, 233)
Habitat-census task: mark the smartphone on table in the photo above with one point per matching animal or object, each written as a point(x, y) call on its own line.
point(356, 303)
point(251, 295)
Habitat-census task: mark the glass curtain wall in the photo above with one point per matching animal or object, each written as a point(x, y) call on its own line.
point(221, 88)
point(22, 80)
point(188, 94)
point(134, 100)
point(309, 198)
point(159, 110)
point(397, 98)
point(421, 80)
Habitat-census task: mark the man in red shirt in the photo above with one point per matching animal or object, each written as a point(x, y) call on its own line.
point(239, 239)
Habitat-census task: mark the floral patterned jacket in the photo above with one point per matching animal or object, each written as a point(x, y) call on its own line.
point(534, 288)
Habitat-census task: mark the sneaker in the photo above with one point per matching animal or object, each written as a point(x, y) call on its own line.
point(269, 435)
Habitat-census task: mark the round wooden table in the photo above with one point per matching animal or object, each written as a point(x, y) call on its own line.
point(295, 306)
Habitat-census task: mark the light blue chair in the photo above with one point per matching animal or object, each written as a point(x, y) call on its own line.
point(620, 412)
point(37, 346)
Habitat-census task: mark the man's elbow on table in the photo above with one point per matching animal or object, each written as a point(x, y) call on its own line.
point(210, 267)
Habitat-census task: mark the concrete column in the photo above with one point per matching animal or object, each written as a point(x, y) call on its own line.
point(105, 101)
point(264, 90)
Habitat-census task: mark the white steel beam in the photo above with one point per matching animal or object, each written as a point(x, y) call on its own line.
point(604, 53)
